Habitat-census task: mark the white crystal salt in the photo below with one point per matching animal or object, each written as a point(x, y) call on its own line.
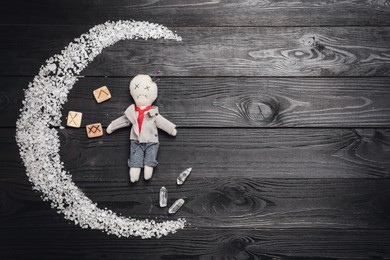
point(39, 143)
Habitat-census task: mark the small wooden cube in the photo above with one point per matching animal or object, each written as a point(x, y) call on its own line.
point(102, 94)
point(94, 130)
point(74, 119)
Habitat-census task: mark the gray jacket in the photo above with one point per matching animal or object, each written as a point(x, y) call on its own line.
point(152, 121)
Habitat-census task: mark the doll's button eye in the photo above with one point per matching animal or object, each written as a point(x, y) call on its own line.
point(136, 86)
point(147, 88)
point(156, 114)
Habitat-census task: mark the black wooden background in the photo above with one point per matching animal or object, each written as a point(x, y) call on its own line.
point(283, 111)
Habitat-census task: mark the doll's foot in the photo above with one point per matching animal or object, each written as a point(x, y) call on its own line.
point(148, 172)
point(134, 174)
point(109, 129)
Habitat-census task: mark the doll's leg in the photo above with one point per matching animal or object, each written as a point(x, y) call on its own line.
point(136, 160)
point(134, 174)
point(151, 151)
point(148, 172)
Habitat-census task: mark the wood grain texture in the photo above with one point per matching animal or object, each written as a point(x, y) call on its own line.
point(200, 13)
point(220, 203)
point(212, 51)
point(268, 153)
point(229, 102)
point(249, 102)
point(65, 243)
point(216, 153)
point(11, 97)
point(282, 112)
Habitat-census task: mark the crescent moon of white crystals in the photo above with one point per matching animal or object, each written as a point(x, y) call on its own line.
point(39, 142)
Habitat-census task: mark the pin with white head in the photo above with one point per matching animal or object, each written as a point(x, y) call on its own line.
point(158, 72)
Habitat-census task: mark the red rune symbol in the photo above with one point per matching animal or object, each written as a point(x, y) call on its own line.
point(72, 119)
point(100, 92)
point(93, 129)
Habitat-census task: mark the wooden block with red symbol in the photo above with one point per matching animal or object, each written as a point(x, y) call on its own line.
point(74, 119)
point(102, 94)
point(94, 130)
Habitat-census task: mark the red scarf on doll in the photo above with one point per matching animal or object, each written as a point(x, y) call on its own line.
point(141, 114)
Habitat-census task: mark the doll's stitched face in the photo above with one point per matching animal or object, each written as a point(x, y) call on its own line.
point(143, 90)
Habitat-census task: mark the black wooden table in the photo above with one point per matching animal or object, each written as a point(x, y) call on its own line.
point(283, 112)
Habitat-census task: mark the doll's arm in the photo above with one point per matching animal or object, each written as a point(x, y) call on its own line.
point(120, 122)
point(166, 125)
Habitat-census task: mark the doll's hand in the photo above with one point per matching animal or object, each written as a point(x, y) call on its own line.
point(109, 129)
point(174, 132)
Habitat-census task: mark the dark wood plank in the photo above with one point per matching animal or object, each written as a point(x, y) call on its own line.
point(229, 102)
point(11, 97)
point(212, 51)
point(199, 13)
point(216, 153)
point(255, 193)
point(249, 102)
point(221, 202)
point(72, 243)
point(268, 153)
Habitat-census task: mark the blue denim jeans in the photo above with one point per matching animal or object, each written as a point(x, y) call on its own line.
point(142, 154)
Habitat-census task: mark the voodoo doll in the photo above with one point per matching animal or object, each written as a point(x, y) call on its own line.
point(144, 119)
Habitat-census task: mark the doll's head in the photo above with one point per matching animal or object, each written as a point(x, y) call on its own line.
point(143, 90)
